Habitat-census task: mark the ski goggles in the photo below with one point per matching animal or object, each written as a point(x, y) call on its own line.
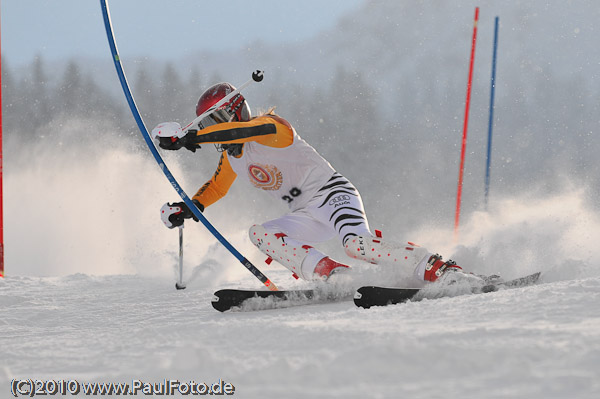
point(217, 116)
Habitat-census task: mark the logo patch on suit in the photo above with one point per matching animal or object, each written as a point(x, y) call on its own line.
point(267, 177)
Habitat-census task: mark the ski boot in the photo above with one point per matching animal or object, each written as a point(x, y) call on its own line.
point(302, 260)
point(328, 267)
point(449, 273)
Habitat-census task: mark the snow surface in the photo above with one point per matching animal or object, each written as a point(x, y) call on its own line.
point(120, 318)
point(536, 342)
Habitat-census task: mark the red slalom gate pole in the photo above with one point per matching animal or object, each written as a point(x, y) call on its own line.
point(465, 126)
point(1, 182)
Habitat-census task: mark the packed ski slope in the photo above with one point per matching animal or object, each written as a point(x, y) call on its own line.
point(536, 342)
point(90, 296)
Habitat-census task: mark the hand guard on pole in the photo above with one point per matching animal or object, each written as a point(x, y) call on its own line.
point(173, 214)
point(171, 137)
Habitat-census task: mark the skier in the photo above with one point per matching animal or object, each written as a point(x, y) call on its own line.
point(323, 204)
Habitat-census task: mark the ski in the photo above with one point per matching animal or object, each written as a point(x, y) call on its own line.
point(251, 300)
point(368, 296)
point(516, 283)
point(371, 295)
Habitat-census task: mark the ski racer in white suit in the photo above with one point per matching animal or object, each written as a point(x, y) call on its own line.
point(323, 204)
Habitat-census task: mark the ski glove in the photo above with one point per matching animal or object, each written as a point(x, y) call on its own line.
point(175, 213)
point(172, 137)
point(174, 143)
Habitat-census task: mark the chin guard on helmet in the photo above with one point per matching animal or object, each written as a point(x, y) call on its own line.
point(236, 109)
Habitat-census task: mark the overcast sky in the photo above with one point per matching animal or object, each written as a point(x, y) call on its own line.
point(66, 28)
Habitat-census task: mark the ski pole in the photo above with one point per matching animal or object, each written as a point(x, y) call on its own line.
point(179, 284)
point(257, 76)
point(142, 127)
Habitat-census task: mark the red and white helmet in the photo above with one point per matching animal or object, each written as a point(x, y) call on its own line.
point(236, 109)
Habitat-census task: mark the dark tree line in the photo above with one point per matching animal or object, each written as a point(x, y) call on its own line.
point(34, 98)
point(38, 96)
point(546, 124)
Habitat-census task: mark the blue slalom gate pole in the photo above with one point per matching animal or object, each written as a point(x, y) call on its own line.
point(138, 118)
point(491, 120)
